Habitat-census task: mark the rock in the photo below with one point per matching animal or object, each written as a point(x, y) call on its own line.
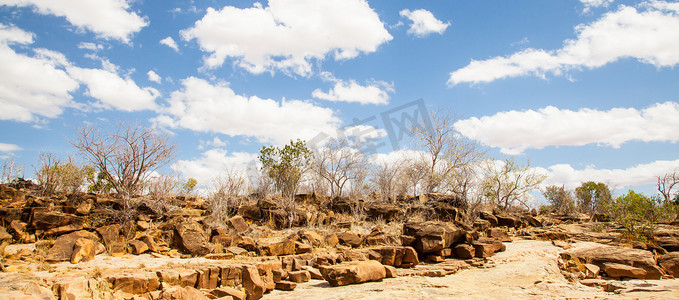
point(301, 248)
point(83, 250)
point(331, 240)
point(481, 224)
point(239, 224)
point(390, 272)
point(236, 250)
point(181, 293)
point(150, 242)
point(185, 212)
point(192, 239)
point(63, 229)
point(498, 233)
point(383, 211)
point(591, 271)
point(486, 247)
point(349, 238)
point(18, 230)
point(616, 270)
point(507, 220)
point(464, 251)
point(315, 273)
point(44, 220)
point(63, 246)
point(4, 235)
point(188, 278)
point(635, 258)
point(117, 249)
point(227, 291)
point(143, 225)
point(398, 256)
point(488, 217)
point(137, 247)
point(286, 247)
point(253, 284)
point(312, 237)
point(208, 278)
point(109, 234)
point(299, 276)
point(230, 275)
point(432, 236)
point(134, 283)
point(670, 262)
point(435, 258)
point(532, 221)
point(668, 242)
point(251, 212)
point(353, 272)
point(561, 244)
point(223, 240)
point(285, 285)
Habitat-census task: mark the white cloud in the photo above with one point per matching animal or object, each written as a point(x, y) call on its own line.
point(642, 174)
point(169, 41)
point(288, 34)
point(589, 4)
point(4, 147)
point(114, 91)
point(213, 163)
point(90, 46)
point(650, 36)
point(396, 157)
point(31, 87)
point(424, 23)
point(216, 142)
point(515, 131)
point(109, 19)
point(153, 76)
point(201, 106)
point(376, 92)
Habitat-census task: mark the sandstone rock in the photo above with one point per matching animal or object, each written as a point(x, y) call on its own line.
point(390, 272)
point(383, 211)
point(670, 262)
point(137, 247)
point(507, 220)
point(236, 250)
point(616, 270)
point(188, 278)
point(227, 291)
point(301, 248)
point(299, 276)
point(432, 236)
point(349, 238)
point(489, 217)
point(634, 258)
point(481, 224)
point(498, 233)
point(191, 237)
point(285, 285)
point(117, 249)
point(353, 272)
point(331, 240)
point(134, 283)
point(464, 251)
point(532, 221)
point(253, 284)
point(150, 242)
point(182, 293)
point(223, 240)
point(591, 271)
point(18, 230)
point(239, 224)
point(4, 235)
point(83, 250)
point(143, 225)
point(312, 237)
point(315, 273)
point(44, 220)
point(251, 212)
point(286, 247)
point(109, 234)
point(230, 275)
point(486, 247)
point(63, 246)
point(185, 212)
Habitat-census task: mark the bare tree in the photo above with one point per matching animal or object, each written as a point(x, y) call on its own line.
point(227, 189)
point(125, 155)
point(446, 150)
point(386, 178)
point(666, 183)
point(509, 182)
point(339, 164)
point(10, 171)
point(414, 172)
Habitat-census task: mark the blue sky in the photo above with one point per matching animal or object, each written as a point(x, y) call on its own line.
point(587, 90)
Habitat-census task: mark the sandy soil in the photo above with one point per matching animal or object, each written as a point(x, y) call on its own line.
point(526, 270)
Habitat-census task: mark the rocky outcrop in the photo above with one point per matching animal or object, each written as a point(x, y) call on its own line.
point(618, 261)
point(62, 250)
point(430, 237)
point(191, 238)
point(670, 263)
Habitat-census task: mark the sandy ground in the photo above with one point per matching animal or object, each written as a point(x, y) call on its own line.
point(526, 270)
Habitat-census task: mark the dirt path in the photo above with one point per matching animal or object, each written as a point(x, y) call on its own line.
point(526, 270)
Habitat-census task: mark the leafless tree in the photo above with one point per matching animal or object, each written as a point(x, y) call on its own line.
point(387, 179)
point(445, 150)
point(126, 155)
point(666, 183)
point(339, 164)
point(10, 171)
point(227, 189)
point(414, 172)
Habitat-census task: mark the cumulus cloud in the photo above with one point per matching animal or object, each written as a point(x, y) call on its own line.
point(205, 107)
point(589, 4)
point(287, 34)
point(110, 19)
point(375, 92)
point(31, 87)
point(213, 163)
point(90, 46)
point(169, 41)
point(4, 147)
point(641, 174)
point(114, 91)
point(515, 131)
point(153, 76)
point(650, 35)
point(424, 23)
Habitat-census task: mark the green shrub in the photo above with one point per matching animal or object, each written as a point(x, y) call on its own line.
point(637, 213)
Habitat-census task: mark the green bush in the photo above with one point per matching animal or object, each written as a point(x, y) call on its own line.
point(637, 213)
point(56, 176)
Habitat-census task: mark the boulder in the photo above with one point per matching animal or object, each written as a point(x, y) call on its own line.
point(109, 234)
point(486, 247)
point(239, 224)
point(62, 250)
point(464, 251)
point(349, 238)
point(230, 275)
point(18, 230)
point(4, 235)
point(286, 247)
point(383, 211)
point(616, 270)
point(507, 220)
point(670, 262)
point(353, 272)
point(45, 220)
point(398, 256)
point(635, 258)
point(191, 237)
point(83, 250)
point(284, 285)
point(137, 247)
point(253, 284)
point(185, 212)
point(228, 292)
point(433, 236)
point(134, 282)
point(299, 276)
point(251, 212)
point(488, 217)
